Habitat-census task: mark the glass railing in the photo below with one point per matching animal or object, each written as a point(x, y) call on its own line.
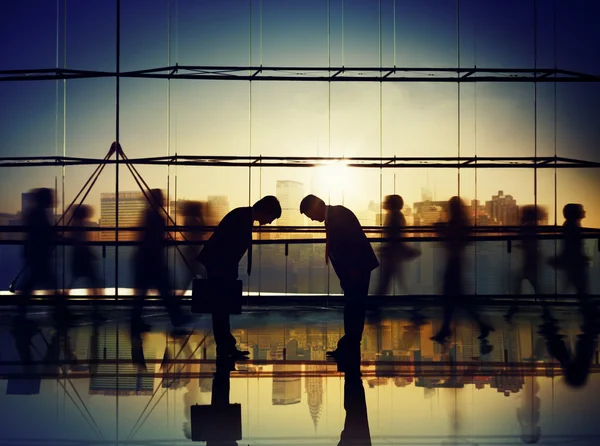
point(296, 266)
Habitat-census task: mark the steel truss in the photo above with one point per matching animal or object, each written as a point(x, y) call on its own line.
point(315, 74)
point(550, 162)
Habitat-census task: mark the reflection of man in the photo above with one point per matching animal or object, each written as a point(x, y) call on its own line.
point(356, 425)
point(220, 423)
point(353, 260)
point(222, 253)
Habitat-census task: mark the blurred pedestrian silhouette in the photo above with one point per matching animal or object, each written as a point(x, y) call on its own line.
point(83, 260)
point(356, 424)
point(150, 264)
point(352, 258)
point(221, 256)
point(573, 260)
point(193, 213)
point(395, 251)
point(40, 241)
point(531, 215)
point(576, 369)
point(455, 233)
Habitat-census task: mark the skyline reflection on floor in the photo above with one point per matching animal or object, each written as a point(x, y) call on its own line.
point(92, 387)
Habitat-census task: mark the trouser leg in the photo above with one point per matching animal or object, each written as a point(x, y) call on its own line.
point(355, 292)
point(222, 332)
point(225, 341)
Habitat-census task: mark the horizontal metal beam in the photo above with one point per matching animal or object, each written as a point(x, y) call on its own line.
point(316, 74)
point(303, 162)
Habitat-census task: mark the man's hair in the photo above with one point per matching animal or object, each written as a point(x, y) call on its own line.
point(309, 202)
point(269, 205)
point(573, 211)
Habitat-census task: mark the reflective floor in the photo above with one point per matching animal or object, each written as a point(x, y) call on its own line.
point(96, 384)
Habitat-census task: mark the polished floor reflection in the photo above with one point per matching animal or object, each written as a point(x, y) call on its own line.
point(533, 380)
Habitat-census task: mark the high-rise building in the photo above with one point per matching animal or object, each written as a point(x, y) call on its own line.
point(286, 389)
point(314, 390)
point(289, 194)
point(503, 209)
point(127, 379)
point(131, 206)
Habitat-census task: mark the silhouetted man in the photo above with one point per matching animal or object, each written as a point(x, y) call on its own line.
point(353, 260)
point(222, 253)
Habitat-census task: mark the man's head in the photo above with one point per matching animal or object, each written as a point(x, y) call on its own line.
point(573, 212)
point(313, 207)
point(158, 198)
point(266, 210)
point(44, 198)
point(393, 203)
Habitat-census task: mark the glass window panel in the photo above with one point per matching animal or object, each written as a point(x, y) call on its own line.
point(289, 119)
point(360, 34)
point(503, 33)
point(419, 119)
point(355, 120)
point(144, 118)
point(505, 120)
point(28, 32)
point(210, 118)
point(215, 33)
point(426, 34)
point(91, 35)
point(31, 123)
point(294, 34)
point(148, 40)
point(577, 36)
point(90, 117)
point(577, 132)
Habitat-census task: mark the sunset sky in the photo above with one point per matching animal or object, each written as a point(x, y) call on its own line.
point(201, 117)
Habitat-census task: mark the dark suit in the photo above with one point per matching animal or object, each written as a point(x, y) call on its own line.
point(221, 256)
point(353, 259)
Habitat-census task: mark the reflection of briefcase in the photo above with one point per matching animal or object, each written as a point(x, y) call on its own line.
point(217, 295)
point(216, 423)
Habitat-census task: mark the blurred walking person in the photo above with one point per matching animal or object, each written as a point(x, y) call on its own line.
point(396, 251)
point(84, 262)
point(194, 219)
point(455, 233)
point(150, 263)
point(40, 241)
point(531, 215)
point(573, 260)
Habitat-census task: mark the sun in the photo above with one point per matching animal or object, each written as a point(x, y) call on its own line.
point(333, 181)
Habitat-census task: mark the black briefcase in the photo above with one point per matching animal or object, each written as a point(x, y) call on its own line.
point(217, 296)
point(216, 423)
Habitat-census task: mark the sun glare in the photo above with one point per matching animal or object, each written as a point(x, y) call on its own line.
point(334, 181)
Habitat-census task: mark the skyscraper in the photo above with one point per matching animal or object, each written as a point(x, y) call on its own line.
point(127, 379)
point(286, 389)
point(313, 386)
point(131, 206)
point(503, 209)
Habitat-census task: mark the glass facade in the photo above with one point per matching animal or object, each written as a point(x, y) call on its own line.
point(219, 103)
